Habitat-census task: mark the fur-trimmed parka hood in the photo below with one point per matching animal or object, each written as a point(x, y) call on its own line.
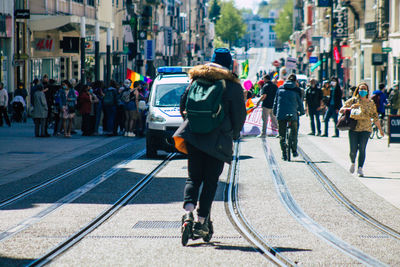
point(213, 72)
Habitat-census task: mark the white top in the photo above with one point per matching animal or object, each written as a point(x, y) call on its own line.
point(3, 98)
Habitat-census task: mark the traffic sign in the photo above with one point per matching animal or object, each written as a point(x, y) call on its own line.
point(386, 49)
point(149, 50)
point(276, 63)
point(291, 62)
point(313, 60)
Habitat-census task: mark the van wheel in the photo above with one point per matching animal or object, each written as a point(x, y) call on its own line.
point(151, 151)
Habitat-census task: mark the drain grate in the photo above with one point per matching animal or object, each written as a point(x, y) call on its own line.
point(157, 225)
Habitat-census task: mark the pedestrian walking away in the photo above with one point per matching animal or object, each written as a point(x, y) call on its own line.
point(3, 105)
point(40, 111)
point(288, 105)
point(130, 98)
point(314, 105)
point(358, 138)
point(268, 96)
point(334, 105)
point(209, 141)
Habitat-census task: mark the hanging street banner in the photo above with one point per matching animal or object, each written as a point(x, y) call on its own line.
point(340, 29)
point(336, 55)
point(291, 63)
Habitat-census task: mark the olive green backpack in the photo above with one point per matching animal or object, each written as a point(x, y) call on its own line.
point(204, 106)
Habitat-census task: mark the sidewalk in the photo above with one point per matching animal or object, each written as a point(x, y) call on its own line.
point(381, 168)
point(22, 154)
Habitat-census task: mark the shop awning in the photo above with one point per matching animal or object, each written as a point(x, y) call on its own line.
point(64, 23)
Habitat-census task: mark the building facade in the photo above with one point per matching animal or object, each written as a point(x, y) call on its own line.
point(260, 31)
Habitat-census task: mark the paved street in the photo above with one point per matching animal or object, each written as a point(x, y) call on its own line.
point(146, 231)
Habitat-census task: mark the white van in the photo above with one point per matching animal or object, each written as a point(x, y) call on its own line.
point(164, 118)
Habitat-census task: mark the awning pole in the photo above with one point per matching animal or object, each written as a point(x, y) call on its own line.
point(83, 36)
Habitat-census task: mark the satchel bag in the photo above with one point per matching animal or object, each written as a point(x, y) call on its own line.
point(345, 122)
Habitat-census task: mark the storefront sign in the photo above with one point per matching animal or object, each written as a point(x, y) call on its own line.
point(22, 14)
point(394, 129)
point(379, 59)
point(313, 60)
point(42, 44)
point(324, 3)
point(340, 23)
point(370, 29)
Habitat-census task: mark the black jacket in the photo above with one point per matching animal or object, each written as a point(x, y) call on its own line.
point(288, 101)
point(313, 97)
point(337, 96)
point(217, 143)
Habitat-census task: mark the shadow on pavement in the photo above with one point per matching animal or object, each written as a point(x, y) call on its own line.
point(380, 178)
point(4, 261)
point(282, 249)
point(221, 246)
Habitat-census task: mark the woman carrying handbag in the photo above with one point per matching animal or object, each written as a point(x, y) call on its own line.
point(363, 109)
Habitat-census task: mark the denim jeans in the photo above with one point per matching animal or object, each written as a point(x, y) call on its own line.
point(358, 142)
point(282, 124)
point(110, 114)
point(331, 113)
point(314, 117)
point(203, 169)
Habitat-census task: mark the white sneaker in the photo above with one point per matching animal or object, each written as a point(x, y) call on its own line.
point(126, 134)
point(360, 172)
point(261, 135)
point(352, 167)
point(131, 134)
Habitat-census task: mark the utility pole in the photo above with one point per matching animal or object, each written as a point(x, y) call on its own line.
point(108, 58)
point(189, 54)
point(83, 41)
point(332, 28)
point(96, 53)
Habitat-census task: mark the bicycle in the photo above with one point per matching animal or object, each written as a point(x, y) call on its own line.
point(375, 130)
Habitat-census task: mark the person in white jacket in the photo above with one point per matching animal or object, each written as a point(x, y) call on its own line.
point(3, 105)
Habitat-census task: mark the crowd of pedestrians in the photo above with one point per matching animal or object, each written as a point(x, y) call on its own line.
point(108, 110)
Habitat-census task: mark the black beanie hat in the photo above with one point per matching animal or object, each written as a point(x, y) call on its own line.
point(223, 57)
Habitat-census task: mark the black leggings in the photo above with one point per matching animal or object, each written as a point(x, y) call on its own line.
point(358, 142)
point(203, 169)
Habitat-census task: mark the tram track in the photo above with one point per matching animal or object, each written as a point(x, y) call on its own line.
point(36, 188)
point(69, 198)
point(307, 222)
point(334, 191)
point(239, 221)
point(101, 218)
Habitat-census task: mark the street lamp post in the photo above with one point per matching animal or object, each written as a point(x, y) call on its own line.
point(332, 28)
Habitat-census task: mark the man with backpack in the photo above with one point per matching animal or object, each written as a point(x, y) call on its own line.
point(380, 100)
point(110, 108)
point(207, 139)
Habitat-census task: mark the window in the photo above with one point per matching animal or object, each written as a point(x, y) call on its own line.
point(90, 2)
point(78, 1)
point(116, 3)
point(117, 44)
point(112, 2)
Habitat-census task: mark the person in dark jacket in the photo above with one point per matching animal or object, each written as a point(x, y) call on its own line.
point(288, 105)
point(40, 111)
point(382, 100)
point(313, 105)
point(85, 102)
point(334, 105)
point(208, 152)
point(268, 96)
